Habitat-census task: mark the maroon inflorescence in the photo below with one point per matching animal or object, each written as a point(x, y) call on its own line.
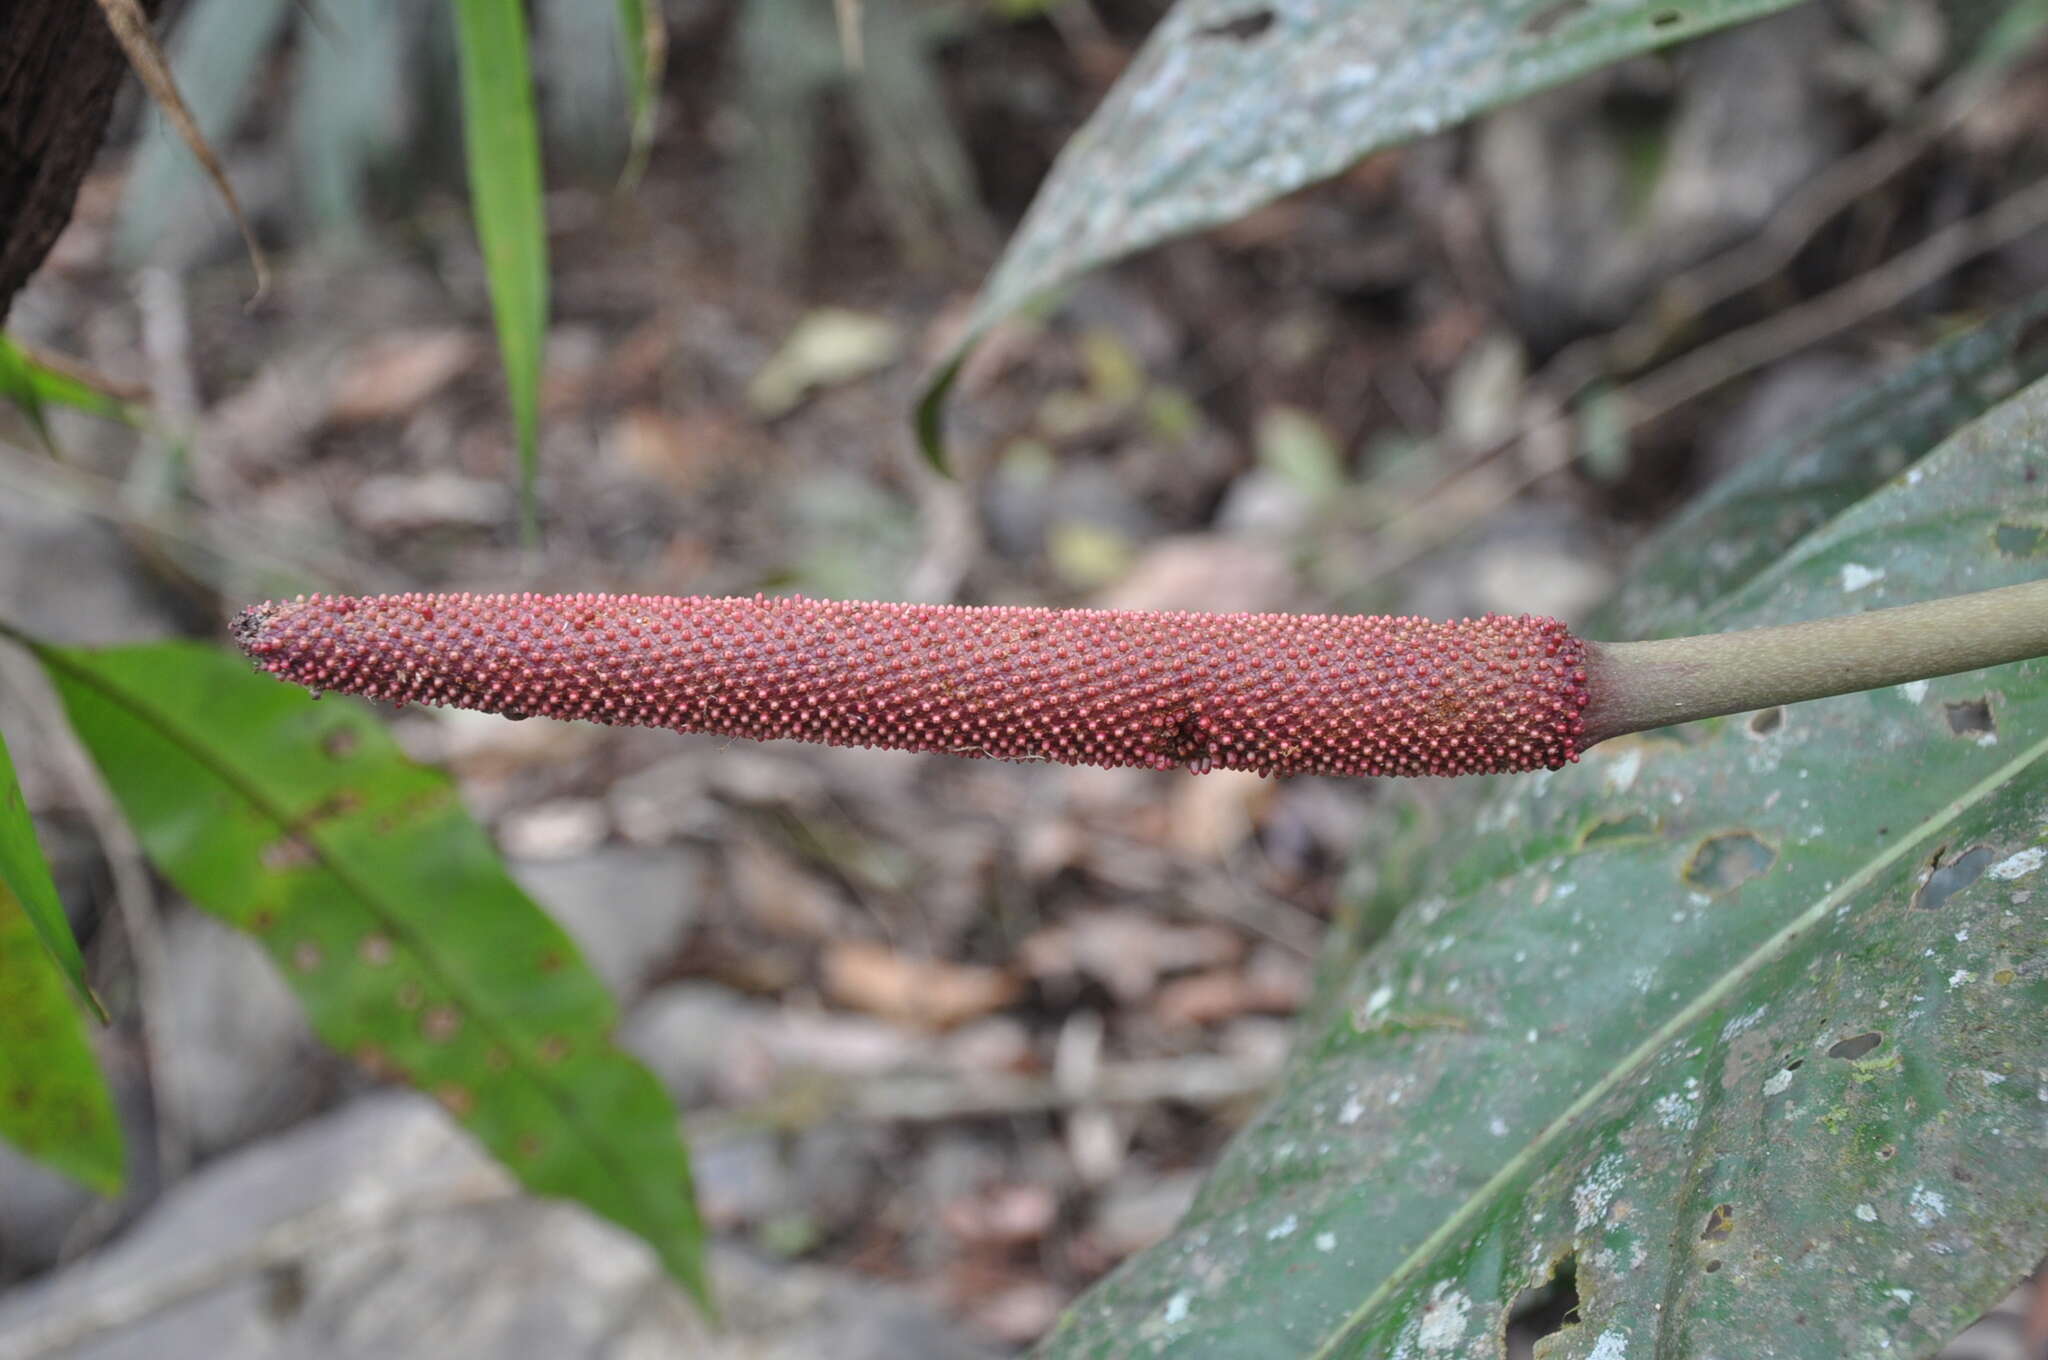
point(1274, 693)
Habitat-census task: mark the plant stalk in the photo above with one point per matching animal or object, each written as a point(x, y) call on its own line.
point(1640, 685)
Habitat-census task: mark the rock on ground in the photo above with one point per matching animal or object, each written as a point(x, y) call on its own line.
point(382, 1231)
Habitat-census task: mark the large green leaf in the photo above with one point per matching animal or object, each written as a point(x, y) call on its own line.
point(1744, 1020)
point(54, 1104)
point(1234, 103)
point(1748, 518)
point(502, 138)
point(25, 876)
point(390, 915)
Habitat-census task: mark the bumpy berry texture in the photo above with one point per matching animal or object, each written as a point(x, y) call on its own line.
point(1273, 693)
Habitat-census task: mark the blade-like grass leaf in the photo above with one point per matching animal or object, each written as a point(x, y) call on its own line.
point(390, 915)
point(35, 385)
point(25, 874)
point(643, 40)
point(54, 1104)
point(1742, 1020)
point(1234, 103)
point(503, 143)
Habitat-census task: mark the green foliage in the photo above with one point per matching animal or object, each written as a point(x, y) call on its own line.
point(54, 1104)
point(34, 387)
point(390, 915)
point(503, 140)
point(25, 876)
point(1231, 105)
point(1686, 1011)
point(642, 39)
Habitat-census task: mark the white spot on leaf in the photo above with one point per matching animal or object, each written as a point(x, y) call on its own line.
point(1443, 1319)
point(1856, 576)
point(1926, 1205)
point(1612, 1345)
point(1866, 1213)
point(2020, 865)
point(1591, 1196)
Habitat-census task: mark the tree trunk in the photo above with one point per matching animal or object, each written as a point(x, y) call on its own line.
point(59, 69)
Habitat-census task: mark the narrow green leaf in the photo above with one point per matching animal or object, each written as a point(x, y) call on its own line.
point(18, 384)
point(503, 142)
point(25, 874)
point(644, 44)
point(1234, 103)
point(54, 1104)
point(390, 915)
point(1742, 1019)
point(34, 386)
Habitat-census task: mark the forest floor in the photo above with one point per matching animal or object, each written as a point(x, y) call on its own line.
point(969, 1029)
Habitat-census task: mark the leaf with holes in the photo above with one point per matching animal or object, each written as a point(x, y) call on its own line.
point(1736, 1026)
point(390, 915)
point(1234, 103)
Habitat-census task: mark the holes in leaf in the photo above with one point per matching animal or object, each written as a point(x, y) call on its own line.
point(1629, 826)
point(1243, 28)
point(1763, 723)
point(1971, 717)
point(1543, 21)
point(2021, 540)
point(1725, 862)
point(1946, 880)
point(1545, 1310)
point(1720, 1224)
point(1712, 1266)
point(1856, 1046)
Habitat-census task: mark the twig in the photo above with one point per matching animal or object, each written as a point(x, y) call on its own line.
point(130, 27)
point(1694, 291)
point(1721, 361)
point(928, 1097)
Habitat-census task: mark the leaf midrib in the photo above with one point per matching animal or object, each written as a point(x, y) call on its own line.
point(232, 777)
point(1681, 1020)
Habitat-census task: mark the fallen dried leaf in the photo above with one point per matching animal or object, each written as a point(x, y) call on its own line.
point(928, 993)
point(393, 376)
